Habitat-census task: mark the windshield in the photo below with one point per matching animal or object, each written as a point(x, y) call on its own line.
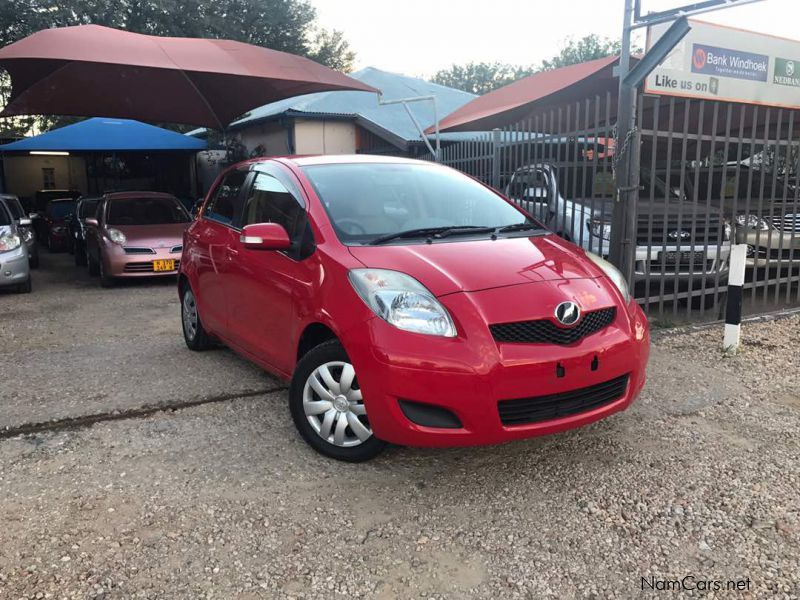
point(368, 201)
point(146, 211)
point(16, 208)
point(5, 218)
point(60, 209)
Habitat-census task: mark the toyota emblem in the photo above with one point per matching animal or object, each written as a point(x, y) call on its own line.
point(682, 234)
point(568, 313)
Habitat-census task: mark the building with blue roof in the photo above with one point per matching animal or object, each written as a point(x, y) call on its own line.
point(99, 154)
point(346, 122)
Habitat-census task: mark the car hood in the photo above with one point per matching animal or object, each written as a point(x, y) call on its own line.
point(449, 267)
point(153, 236)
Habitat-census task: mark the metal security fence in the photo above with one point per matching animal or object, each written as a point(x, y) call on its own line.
point(709, 174)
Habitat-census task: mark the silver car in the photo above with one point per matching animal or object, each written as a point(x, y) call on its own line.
point(14, 268)
point(25, 225)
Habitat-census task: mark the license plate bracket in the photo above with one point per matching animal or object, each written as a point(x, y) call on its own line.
point(163, 265)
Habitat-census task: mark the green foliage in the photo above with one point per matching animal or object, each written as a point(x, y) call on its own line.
point(585, 49)
point(480, 78)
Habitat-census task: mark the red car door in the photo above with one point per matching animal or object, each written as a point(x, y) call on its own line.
point(211, 239)
point(267, 283)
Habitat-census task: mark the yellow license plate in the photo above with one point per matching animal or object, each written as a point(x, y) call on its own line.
point(163, 265)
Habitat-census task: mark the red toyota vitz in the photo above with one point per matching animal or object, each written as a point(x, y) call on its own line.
point(407, 303)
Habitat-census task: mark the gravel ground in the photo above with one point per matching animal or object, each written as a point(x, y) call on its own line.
point(701, 477)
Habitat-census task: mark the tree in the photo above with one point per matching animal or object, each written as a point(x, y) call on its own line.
point(585, 49)
point(480, 78)
point(286, 25)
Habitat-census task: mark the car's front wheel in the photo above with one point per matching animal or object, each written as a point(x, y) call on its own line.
point(194, 334)
point(328, 408)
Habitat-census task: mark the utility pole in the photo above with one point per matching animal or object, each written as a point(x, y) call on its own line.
point(626, 152)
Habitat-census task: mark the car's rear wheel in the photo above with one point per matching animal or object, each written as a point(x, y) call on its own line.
point(194, 334)
point(94, 267)
point(80, 255)
point(328, 408)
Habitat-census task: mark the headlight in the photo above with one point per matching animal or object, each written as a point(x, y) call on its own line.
point(753, 222)
point(600, 228)
point(613, 273)
point(402, 301)
point(116, 236)
point(27, 235)
point(9, 242)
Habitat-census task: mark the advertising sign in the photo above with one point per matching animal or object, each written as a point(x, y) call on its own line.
point(715, 62)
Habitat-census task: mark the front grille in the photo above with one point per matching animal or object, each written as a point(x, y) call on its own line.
point(684, 233)
point(545, 331)
point(787, 222)
point(132, 250)
point(564, 404)
point(146, 267)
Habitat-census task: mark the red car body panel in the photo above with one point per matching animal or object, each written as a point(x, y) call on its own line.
point(260, 303)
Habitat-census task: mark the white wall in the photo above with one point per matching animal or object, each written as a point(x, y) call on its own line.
point(272, 136)
point(324, 137)
point(23, 173)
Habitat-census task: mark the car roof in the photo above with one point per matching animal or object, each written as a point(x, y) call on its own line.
point(122, 195)
point(339, 159)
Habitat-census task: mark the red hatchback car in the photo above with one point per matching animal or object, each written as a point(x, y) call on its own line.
point(407, 303)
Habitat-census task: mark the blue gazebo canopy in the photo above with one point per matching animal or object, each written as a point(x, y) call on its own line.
point(100, 134)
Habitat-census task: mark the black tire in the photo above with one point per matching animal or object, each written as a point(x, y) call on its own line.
point(200, 340)
point(94, 267)
point(33, 263)
point(80, 255)
point(25, 288)
point(330, 351)
point(106, 280)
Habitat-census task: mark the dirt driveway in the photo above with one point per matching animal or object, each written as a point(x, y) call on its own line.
point(698, 481)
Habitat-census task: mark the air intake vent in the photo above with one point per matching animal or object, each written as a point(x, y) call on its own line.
point(554, 406)
point(545, 331)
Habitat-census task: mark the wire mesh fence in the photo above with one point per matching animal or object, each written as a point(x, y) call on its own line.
point(710, 174)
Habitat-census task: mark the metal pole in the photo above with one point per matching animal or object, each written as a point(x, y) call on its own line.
point(496, 157)
point(622, 247)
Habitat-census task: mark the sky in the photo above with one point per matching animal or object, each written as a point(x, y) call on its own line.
point(419, 37)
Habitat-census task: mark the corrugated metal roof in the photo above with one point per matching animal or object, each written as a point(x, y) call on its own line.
point(512, 102)
point(364, 105)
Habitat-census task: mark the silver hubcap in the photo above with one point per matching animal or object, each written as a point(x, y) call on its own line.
point(334, 407)
point(189, 313)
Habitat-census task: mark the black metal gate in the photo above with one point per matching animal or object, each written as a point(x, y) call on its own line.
point(711, 174)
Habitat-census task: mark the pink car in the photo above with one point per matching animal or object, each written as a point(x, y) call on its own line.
point(135, 234)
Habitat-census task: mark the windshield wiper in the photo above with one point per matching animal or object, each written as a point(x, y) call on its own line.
point(519, 227)
point(436, 232)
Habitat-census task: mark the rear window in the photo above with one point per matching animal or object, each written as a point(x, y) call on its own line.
point(61, 209)
point(146, 211)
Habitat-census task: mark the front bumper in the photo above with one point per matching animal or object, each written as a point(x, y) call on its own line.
point(119, 263)
point(770, 248)
point(659, 261)
point(470, 374)
point(14, 266)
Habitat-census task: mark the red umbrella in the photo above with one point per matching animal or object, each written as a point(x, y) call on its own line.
point(91, 70)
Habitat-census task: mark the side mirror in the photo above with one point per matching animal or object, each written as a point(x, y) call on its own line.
point(265, 236)
point(91, 221)
point(25, 222)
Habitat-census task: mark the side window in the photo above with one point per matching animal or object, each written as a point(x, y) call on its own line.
point(224, 205)
point(270, 202)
